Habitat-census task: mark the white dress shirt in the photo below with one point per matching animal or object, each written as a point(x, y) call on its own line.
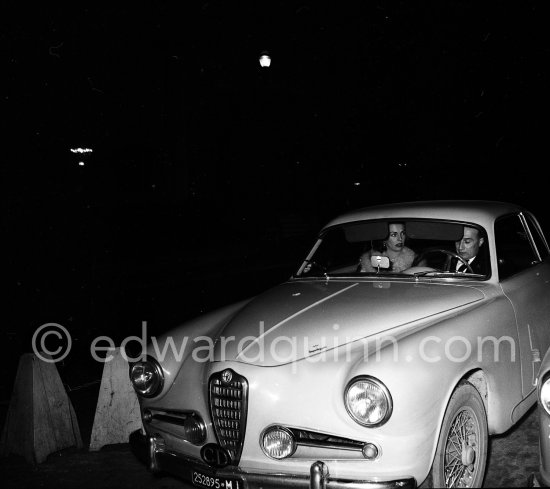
point(460, 263)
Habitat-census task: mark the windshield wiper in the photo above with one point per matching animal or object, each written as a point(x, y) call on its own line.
point(439, 273)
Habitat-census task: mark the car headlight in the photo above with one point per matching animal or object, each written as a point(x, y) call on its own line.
point(147, 377)
point(368, 401)
point(544, 393)
point(278, 442)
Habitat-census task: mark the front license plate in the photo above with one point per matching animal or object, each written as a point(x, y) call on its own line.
point(211, 482)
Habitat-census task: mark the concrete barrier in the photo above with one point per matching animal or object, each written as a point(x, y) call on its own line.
point(117, 413)
point(41, 419)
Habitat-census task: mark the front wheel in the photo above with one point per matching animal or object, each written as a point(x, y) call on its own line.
point(461, 453)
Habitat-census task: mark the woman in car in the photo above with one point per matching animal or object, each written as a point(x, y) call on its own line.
point(393, 247)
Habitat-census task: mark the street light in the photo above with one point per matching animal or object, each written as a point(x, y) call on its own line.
point(265, 59)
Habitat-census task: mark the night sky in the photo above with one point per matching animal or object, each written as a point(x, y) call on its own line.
point(208, 169)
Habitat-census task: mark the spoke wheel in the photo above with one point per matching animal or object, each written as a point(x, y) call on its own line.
point(461, 453)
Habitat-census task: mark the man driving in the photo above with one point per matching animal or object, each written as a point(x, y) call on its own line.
point(468, 248)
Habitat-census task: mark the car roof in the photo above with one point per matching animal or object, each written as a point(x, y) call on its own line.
point(482, 212)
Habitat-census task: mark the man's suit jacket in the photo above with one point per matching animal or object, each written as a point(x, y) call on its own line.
point(478, 265)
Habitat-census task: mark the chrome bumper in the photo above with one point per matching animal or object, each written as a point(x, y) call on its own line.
point(150, 450)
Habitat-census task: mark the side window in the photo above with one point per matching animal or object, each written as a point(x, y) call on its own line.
point(539, 241)
point(514, 250)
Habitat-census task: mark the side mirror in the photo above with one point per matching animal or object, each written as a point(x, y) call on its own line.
point(379, 261)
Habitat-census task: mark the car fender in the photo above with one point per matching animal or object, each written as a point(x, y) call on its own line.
point(175, 347)
point(411, 376)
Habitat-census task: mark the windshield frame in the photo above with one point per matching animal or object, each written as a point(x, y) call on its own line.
point(439, 274)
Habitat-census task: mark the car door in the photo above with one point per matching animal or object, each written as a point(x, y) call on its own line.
point(543, 271)
point(520, 271)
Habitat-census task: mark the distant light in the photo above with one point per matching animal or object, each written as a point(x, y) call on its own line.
point(80, 163)
point(81, 150)
point(357, 184)
point(265, 59)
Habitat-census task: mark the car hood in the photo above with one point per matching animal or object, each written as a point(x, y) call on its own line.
point(298, 319)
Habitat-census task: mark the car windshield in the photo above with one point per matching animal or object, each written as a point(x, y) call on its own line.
point(420, 247)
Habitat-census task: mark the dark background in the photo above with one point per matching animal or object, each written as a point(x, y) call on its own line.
point(209, 175)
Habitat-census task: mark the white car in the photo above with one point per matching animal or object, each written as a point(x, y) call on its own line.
point(341, 378)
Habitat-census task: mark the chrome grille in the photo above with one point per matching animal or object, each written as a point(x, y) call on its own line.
point(228, 406)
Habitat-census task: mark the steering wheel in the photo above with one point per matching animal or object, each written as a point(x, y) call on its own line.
point(452, 254)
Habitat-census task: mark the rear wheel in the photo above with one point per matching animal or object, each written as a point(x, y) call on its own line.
point(461, 453)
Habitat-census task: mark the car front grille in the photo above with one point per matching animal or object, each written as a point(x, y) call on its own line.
point(228, 406)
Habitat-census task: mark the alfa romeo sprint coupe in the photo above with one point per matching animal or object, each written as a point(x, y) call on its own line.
point(409, 334)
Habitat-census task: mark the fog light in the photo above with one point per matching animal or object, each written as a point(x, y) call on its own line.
point(370, 451)
point(195, 431)
point(278, 442)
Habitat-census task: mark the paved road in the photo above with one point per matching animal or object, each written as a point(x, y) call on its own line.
point(513, 458)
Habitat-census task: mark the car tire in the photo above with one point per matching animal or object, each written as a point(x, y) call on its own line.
point(461, 454)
